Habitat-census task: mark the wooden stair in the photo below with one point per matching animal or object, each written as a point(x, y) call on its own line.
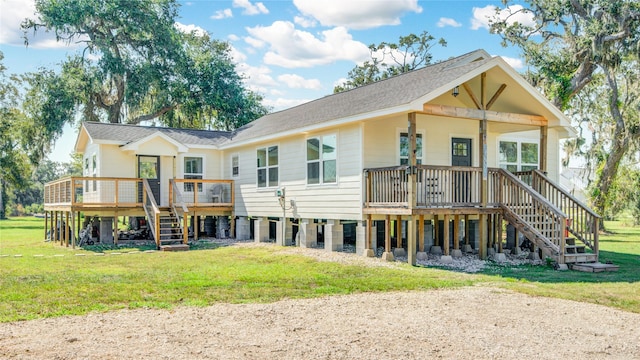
point(170, 232)
point(576, 254)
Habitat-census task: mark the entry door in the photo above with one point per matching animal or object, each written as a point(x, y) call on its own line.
point(149, 168)
point(461, 152)
point(461, 156)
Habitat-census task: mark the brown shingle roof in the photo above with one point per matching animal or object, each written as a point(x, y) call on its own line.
point(122, 133)
point(395, 91)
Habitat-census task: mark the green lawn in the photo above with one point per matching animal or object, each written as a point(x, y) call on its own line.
point(48, 280)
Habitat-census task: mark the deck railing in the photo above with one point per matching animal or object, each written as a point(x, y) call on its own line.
point(536, 217)
point(194, 193)
point(93, 192)
point(441, 186)
point(436, 186)
point(582, 222)
point(180, 209)
point(151, 210)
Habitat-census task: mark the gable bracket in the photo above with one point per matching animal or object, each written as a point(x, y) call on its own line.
point(467, 88)
point(496, 96)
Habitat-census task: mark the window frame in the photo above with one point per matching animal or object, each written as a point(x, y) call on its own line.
point(268, 167)
point(235, 165)
point(518, 163)
point(94, 170)
point(321, 160)
point(420, 157)
point(187, 187)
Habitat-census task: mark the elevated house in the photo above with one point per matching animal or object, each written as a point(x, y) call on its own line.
point(438, 159)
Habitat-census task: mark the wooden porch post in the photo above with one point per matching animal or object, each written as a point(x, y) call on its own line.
point(196, 226)
point(73, 227)
point(413, 162)
point(446, 236)
point(466, 229)
point(367, 238)
point(485, 169)
point(55, 227)
point(411, 240)
point(436, 230)
point(499, 233)
point(543, 148)
point(421, 233)
point(456, 232)
point(387, 255)
point(46, 220)
point(399, 231)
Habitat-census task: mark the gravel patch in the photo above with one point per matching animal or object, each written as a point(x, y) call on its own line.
point(467, 323)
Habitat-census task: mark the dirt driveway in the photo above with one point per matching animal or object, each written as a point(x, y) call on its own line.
point(469, 323)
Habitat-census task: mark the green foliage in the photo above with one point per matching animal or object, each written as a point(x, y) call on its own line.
point(137, 66)
point(391, 59)
point(585, 57)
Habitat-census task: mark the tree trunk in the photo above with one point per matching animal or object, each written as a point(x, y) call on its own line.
point(3, 216)
point(619, 147)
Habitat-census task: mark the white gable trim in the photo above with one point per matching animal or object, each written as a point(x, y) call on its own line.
point(133, 146)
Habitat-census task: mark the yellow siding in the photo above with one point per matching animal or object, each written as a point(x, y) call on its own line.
point(328, 201)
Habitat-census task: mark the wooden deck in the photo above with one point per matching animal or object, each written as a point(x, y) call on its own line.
point(539, 209)
point(124, 196)
point(65, 199)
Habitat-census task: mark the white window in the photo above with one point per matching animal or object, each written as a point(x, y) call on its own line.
point(192, 170)
point(95, 171)
point(86, 174)
point(321, 159)
point(267, 159)
point(517, 155)
point(235, 166)
point(404, 148)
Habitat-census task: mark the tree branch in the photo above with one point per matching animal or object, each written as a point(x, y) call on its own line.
point(163, 110)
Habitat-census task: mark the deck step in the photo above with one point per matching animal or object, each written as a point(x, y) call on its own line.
point(174, 247)
point(580, 258)
point(594, 267)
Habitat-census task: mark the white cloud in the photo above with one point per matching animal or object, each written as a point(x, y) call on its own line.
point(249, 8)
point(447, 22)
point(12, 14)
point(233, 37)
point(298, 82)
point(357, 14)
point(304, 21)
point(483, 16)
point(282, 103)
point(257, 78)
point(222, 14)
point(276, 92)
point(256, 43)
point(191, 28)
point(514, 62)
point(237, 56)
point(293, 48)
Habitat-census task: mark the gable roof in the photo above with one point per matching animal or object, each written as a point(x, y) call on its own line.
point(122, 134)
point(402, 93)
point(385, 94)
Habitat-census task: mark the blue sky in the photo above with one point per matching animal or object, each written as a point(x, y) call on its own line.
point(290, 51)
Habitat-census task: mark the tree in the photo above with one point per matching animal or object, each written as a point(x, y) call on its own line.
point(572, 42)
point(14, 167)
point(390, 59)
point(144, 68)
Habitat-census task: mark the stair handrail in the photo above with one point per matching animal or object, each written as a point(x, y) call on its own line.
point(180, 209)
point(583, 222)
point(152, 210)
point(553, 238)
